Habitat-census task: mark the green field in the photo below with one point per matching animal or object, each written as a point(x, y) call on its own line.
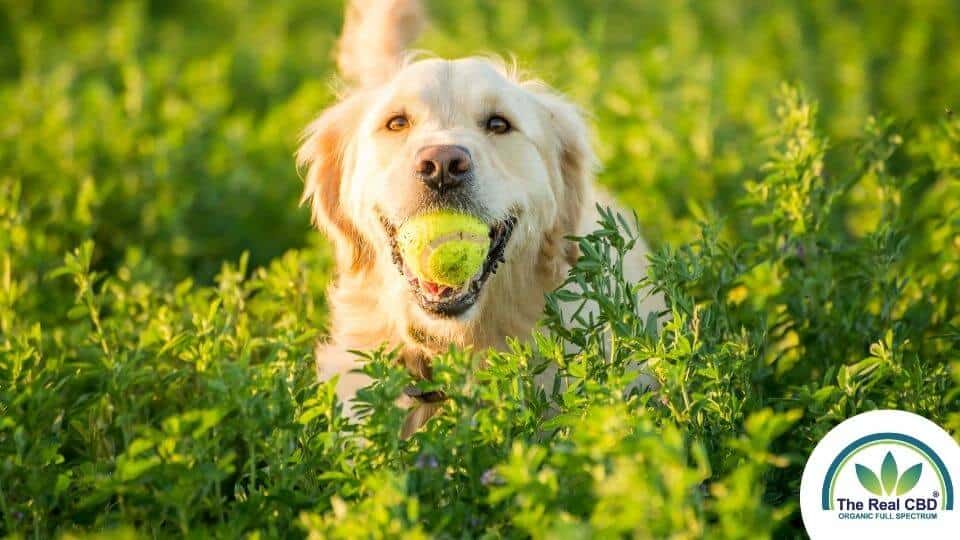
point(796, 166)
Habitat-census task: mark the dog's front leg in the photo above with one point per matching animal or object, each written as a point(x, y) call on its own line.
point(333, 361)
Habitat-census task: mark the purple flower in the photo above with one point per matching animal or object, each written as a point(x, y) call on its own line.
point(489, 477)
point(426, 461)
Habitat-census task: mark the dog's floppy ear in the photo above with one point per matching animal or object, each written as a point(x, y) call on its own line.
point(322, 154)
point(577, 164)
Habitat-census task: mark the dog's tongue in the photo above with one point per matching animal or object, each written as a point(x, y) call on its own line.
point(435, 289)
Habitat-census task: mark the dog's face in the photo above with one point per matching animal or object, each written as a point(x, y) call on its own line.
point(448, 135)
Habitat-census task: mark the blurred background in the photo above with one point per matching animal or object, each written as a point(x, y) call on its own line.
point(165, 130)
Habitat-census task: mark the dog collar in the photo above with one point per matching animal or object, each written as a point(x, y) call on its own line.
point(433, 396)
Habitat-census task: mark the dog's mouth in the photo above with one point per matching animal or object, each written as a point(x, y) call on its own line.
point(443, 300)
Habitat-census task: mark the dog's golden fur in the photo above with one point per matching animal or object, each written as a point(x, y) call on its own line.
point(359, 175)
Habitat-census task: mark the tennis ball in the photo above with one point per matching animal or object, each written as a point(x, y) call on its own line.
point(446, 248)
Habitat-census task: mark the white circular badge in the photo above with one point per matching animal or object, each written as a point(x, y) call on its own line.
point(882, 474)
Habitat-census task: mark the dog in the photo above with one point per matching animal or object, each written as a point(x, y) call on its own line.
point(413, 135)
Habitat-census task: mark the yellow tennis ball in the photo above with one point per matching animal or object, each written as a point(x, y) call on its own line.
point(446, 248)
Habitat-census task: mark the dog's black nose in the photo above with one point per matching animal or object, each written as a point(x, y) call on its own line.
point(443, 167)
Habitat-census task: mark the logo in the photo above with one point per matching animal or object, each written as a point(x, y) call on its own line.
point(883, 474)
point(892, 484)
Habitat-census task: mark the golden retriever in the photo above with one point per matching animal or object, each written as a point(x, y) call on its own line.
point(412, 136)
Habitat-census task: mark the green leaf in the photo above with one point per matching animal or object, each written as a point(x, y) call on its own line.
point(888, 473)
point(869, 480)
point(909, 479)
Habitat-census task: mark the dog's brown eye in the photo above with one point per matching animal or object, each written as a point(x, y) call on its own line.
point(497, 124)
point(398, 123)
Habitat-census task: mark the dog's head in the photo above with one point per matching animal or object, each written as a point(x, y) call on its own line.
point(465, 135)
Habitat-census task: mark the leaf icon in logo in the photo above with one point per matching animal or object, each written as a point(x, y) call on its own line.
point(909, 479)
point(888, 473)
point(869, 480)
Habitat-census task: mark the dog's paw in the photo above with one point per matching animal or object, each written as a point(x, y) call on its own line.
point(335, 363)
